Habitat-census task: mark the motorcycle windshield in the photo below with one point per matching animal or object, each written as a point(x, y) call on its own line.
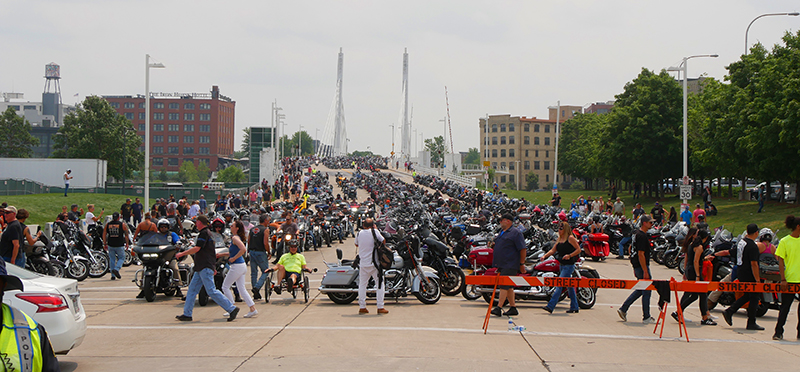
point(153, 238)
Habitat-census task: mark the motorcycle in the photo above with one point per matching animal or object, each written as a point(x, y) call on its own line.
point(405, 277)
point(63, 249)
point(437, 257)
point(38, 260)
point(156, 276)
point(548, 269)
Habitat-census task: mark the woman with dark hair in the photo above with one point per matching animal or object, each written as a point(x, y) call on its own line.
point(238, 268)
point(788, 255)
point(694, 271)
point(566, 251)
point(673, 216)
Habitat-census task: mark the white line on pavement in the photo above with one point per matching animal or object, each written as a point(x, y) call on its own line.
point(454, 330)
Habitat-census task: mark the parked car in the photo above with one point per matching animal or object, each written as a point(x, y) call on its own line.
point(790, 191)
point(54, 303)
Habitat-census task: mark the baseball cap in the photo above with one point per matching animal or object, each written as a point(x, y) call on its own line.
point(507, 216)
point(11, 208)
point(645, 218)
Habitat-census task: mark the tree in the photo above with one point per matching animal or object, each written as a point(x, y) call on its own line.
point(246, 140)
point(644, 137)
point(203, 172)
point(581, 146)
point(162, 176)
point(532, 180)
point(97, 131)
point(231, 174)
point(307, 143)
point(363, 153)
point(473, 156)
point(187, 172)
point(436, 148)
point(15, 134)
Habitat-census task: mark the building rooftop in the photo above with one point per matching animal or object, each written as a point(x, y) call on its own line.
point(175, 95)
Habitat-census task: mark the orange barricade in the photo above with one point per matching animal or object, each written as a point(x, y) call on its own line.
point(674, 286)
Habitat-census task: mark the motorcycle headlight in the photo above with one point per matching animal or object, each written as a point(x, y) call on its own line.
point(288, 237)
point(150, 255)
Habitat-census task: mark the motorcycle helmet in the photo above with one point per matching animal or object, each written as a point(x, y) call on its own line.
point(218, 223)
point(163, 222)
point(766, 234)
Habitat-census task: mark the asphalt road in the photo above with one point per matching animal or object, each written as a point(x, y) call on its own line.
point(128, 334)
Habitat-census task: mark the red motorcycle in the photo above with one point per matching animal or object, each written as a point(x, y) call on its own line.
point(482, 258)
point(593, 245)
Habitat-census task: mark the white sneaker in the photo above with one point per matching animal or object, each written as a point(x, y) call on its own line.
point(623, 315)
point(649, 320)
point(226, 315)
point(251, 314)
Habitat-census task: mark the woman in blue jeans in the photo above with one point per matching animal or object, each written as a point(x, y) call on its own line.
point(566, 251)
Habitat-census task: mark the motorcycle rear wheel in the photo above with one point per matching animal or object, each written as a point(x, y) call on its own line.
point(681, 267)
point(59, 271)
point(43, 267)
point(128, 259)
point(343, 298)
point(586, 297)
point(469, 292)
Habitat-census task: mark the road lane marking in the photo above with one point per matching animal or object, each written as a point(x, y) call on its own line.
point(452, 330)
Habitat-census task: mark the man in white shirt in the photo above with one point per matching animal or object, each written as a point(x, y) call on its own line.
point(67, 177)
point(365, 242)
point(194, 209)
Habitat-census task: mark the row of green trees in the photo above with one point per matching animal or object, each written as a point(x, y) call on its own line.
point(748, 126)
point(299, 141)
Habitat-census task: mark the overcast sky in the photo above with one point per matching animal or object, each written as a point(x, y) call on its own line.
point(495, 57)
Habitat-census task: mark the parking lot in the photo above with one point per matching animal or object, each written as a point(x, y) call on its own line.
point(130, 334)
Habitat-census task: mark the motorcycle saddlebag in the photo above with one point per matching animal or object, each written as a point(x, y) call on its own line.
point(597, 237)
point(473, 229)
point(481, 256)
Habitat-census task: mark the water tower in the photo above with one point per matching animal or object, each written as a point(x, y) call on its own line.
point(51, 100)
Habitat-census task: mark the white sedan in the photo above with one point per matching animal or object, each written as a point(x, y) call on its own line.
point(52, 302)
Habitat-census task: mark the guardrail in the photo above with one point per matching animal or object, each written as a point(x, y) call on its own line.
point(461, 180)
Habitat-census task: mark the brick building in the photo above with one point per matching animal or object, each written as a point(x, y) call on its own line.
point(197, 127)
point(516, 146)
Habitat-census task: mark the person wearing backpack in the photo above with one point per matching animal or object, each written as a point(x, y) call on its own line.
point(365, 242)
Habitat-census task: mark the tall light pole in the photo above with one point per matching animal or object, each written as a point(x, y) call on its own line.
point(416, 147)
point(792, 14)
point(686, 113)
point(316, 138)
point(147, 68)
point(392, 125)
point(300, 142)
point(555, 163)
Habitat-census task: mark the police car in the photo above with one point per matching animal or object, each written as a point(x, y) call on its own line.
point(52, 302)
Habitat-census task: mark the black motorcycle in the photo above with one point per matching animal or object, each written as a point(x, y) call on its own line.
point(437, 256)
point(156, 251)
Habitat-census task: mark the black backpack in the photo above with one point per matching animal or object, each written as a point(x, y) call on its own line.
point(382, 257)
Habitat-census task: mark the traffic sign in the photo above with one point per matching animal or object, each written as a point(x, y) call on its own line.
point(686, 192)
point(486, 163)
point(486, 176)
point(685, 180)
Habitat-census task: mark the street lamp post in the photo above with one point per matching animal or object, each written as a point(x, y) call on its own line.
point(392, 154)
point(147, 68)
point(686, 112)
point(300, 142)
point(792, 14)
